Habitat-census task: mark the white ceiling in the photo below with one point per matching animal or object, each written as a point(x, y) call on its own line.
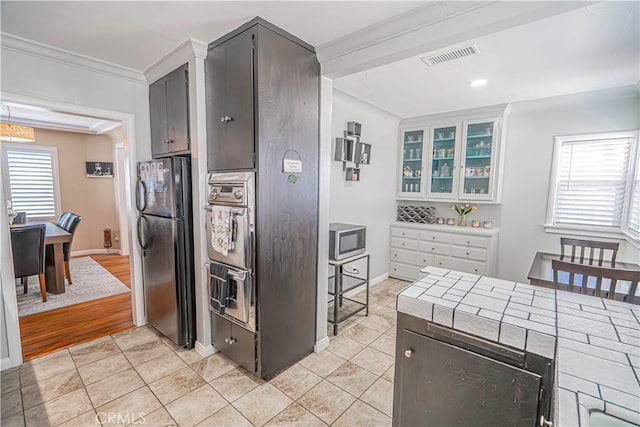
point(590, 48)
point(42, 118)
point(136, 34)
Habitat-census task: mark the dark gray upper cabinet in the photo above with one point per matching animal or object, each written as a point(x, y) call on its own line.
point(169, 108)
point(262, 102)
point(229, 70)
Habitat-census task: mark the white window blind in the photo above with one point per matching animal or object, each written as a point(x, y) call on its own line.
point(31, 179)
point(634, 207)
point(592, 182)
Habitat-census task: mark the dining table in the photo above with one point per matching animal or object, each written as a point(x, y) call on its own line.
point(541, 271)
point(54, 238)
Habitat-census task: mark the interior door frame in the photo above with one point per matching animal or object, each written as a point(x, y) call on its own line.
point(9, 297)
point(122, 182)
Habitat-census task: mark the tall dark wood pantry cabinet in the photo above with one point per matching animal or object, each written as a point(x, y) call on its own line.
point(262, 96)
point(169, 108)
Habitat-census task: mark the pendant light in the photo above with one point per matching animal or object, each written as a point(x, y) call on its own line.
point(16, 133)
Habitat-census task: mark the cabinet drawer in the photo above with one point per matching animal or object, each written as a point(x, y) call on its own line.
point(469, 253)
point(415, 258)
point(434, 248)
point(404, 271)
point(398, 242)
point(403, 232)
point(434, 236)
point(474, 267)
point(475, 241)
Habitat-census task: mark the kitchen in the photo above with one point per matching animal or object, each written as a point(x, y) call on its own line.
point(525, 212)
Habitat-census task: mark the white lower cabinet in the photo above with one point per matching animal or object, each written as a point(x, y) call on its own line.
point(415, 246)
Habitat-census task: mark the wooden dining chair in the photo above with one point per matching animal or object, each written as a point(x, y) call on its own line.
point(601, 275)
point(70, 224)
point(588, 251)
point(27, 245)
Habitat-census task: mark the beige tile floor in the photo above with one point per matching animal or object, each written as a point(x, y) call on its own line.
point(139, 377)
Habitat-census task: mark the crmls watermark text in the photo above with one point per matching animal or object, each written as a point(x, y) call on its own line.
point(107, 418)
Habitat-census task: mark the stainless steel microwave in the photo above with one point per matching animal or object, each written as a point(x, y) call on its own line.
point(346, 240)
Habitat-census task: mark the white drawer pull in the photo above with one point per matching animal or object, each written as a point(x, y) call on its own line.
point(395, 255)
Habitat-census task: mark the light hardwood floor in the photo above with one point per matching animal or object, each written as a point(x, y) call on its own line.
point(45, 332)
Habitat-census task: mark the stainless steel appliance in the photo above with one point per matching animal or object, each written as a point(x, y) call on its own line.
point(346, 240)
point(230, 236)
point(165, 235)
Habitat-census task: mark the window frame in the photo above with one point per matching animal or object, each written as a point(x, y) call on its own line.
point(621, 232)
point(53, 151)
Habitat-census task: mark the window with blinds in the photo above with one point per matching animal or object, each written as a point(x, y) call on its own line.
point(593, 185)
point(31, 179)
point(634, 208)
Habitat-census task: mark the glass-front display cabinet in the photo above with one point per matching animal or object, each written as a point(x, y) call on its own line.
point(442, 179)
point(458, 160)
point(478, 159)
point(411, 163)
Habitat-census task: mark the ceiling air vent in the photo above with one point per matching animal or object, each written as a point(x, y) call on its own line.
point(450, 55)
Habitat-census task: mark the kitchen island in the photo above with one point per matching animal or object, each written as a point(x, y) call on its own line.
point(594, 342)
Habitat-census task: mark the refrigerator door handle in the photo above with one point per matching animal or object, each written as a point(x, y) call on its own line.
point(141, 193)
point(141, 233)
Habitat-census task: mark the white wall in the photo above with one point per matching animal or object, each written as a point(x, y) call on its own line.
point(532, 127)
point(370, 201)
point(33, 77)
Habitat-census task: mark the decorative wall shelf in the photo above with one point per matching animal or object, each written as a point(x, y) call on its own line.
point(352, 152)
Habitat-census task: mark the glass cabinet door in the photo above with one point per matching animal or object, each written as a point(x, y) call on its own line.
point(478, 162)
point(442, 182)
point(412, 154)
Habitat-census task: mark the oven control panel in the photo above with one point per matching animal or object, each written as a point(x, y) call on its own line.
point(228, 193)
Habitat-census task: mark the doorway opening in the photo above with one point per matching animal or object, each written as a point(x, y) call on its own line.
point(87, 319)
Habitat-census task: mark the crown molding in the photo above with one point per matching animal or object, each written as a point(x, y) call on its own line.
point(434, 26)
point(52, 53)
point(178, 56)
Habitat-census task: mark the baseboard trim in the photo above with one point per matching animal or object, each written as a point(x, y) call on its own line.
point(321, 345)
point(8, 363)
point(96, 252)
point(204, 350)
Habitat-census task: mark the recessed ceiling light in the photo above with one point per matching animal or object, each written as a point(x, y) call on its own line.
point(478, 82)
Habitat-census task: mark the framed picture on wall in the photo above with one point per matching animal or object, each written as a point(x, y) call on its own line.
point(99, 169)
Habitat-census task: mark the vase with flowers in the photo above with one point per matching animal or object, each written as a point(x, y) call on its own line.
point(463, 210)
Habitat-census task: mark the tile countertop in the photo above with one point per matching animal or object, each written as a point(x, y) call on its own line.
point(598, 340)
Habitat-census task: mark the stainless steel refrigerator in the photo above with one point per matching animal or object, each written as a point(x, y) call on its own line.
point(165, 235)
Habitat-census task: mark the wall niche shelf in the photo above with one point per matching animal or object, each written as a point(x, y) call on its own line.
point(352, 152)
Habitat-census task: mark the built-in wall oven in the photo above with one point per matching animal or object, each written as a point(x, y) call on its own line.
point(230, 247)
